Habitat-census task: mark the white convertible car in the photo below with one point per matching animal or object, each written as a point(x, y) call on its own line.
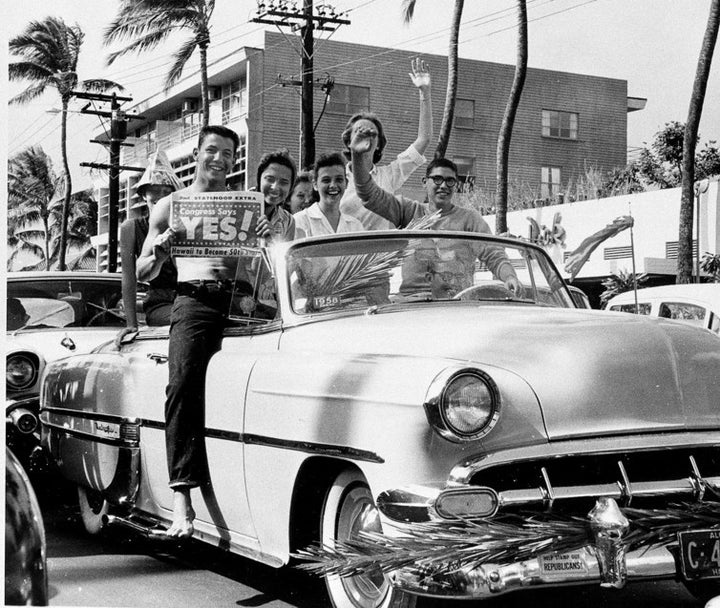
point(408, 427)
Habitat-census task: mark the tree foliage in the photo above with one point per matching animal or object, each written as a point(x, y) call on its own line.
point(660, 163)
point(47, 54)
point(35, 201)
point(144, 24)
point(620, 282)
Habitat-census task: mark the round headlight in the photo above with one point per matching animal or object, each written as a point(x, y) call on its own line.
point(462, 404)
point(467, 404)
point(20, 372)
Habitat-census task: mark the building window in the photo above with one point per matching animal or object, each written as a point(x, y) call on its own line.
point(549, 181)
point(232, 101)
point(465, 113)
point(466, 171)
point(348, 99)
point(563, 125)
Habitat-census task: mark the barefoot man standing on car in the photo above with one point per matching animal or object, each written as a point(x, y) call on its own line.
point(196, 324)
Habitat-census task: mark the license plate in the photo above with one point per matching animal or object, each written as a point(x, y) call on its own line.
point(700, 554)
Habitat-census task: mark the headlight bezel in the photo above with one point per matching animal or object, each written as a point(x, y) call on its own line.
point(22, 357)
point(435, 404)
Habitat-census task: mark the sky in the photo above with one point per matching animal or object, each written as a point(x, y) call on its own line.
point(653, 44)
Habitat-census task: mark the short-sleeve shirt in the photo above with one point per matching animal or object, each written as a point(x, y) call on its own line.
point(312, 222)
point(390, 178)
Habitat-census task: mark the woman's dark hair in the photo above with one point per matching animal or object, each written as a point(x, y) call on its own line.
point(329, 159)
point(347, 134)
point(280, 157)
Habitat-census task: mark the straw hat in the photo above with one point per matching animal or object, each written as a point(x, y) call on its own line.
point(159, 172)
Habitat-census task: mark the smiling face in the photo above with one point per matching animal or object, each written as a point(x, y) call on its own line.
point(330, 184)
point(447, 279)
point(441, 194)
point(302, 197)
point(215, 159)
point(275, 184)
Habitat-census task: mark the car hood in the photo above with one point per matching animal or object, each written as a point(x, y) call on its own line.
point(54, 344)
point(594, 373)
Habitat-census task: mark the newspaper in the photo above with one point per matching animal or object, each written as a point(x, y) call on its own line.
point(215, 224)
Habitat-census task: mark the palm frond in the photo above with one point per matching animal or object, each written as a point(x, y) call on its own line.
point(408, 10)
point(146, 42)
point(180, 58)
point(442, 548)
point(100, 85)
point(32, 92)
point(28, 70)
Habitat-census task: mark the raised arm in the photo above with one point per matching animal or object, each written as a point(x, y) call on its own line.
point(420, 76)
point(397, 211)
point(156, 248)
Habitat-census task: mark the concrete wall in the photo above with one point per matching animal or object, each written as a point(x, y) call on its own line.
point(656, 216)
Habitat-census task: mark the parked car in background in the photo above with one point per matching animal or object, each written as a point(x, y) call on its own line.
point(26, 581)
point(50, 315)
point(401, 389)
point(694, 304)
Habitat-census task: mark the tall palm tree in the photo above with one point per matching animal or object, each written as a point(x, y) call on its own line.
point(506, 128)
point(48, 53)
point(684, 265)
point(35, 201)
point(408, 10)
point(147, 23)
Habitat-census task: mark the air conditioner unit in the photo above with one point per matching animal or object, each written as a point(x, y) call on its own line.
point(190, 104)
point(214, 93)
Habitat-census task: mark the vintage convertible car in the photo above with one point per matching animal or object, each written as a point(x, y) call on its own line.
point(50, 315)
point(436, 433)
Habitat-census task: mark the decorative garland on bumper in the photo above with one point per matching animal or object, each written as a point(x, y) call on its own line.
point(444, 548)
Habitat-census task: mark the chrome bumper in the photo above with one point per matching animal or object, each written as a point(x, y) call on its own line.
point(489, 580)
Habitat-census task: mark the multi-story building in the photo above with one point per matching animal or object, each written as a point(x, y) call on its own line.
point(565, 122)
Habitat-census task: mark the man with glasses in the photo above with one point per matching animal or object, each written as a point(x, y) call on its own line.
point(441, 179)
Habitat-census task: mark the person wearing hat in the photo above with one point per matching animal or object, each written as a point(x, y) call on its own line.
point(159, 180)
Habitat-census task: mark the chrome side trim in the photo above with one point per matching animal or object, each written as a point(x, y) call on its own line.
point(110, 430)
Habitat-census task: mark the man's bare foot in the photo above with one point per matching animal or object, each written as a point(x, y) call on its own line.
point(183, 515)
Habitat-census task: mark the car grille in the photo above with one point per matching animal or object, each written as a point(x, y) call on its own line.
point(573, 482)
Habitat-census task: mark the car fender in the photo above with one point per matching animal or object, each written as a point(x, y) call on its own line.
point(365, 411)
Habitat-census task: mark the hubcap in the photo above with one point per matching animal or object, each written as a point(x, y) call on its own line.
point(368, 589)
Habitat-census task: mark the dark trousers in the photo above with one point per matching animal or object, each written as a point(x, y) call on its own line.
point(195, 335)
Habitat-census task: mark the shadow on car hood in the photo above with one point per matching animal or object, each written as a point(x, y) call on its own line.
point(594, 373)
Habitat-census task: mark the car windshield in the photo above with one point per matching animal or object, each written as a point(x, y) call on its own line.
point(38, 303)
point(385, 270)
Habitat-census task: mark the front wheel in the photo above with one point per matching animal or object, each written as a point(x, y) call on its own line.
point(349, 509)
point(92, 509)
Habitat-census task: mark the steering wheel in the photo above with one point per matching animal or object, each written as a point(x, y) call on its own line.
point(490, 291)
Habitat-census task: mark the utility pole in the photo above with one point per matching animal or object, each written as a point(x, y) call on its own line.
point(118, 134)
point(287, 14)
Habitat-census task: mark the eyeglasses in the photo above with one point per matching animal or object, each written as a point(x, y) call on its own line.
point(439, 179)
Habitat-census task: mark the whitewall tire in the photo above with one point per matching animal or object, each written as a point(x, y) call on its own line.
point(349, 508)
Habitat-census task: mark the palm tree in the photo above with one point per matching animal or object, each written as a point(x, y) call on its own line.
point(684, 265)
point(35, 204)
point(408, 9)
point(48, 53)
point(503, 144)
point(147, 23)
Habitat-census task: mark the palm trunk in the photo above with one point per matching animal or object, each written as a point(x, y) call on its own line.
point(46, 238)
point(503, 145)
point(205, 96)
point(451, 94)
point(685, 234)
point(68, 189)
